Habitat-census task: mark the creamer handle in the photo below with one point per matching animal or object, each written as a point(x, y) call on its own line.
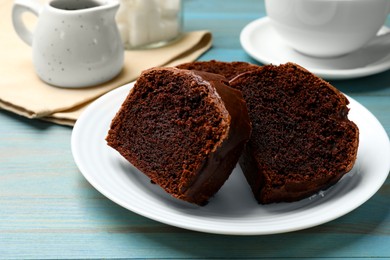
point(20, 7)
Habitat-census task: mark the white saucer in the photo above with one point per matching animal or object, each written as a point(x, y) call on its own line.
point(263, 43)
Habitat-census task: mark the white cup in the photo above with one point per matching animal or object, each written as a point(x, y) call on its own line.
point(328, 28)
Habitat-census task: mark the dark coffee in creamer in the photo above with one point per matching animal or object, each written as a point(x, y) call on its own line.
point(72, 5)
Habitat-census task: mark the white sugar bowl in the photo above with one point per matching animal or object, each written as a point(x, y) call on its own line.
point(149, 23)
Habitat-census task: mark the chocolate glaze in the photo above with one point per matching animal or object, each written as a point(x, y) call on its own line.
point(227, 69)
point(218, 166)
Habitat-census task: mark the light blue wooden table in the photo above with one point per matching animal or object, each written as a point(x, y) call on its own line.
point(48, 209)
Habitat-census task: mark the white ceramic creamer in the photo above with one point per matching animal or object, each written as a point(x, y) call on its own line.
point(76, 43)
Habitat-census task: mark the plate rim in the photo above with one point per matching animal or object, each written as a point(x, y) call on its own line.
point(177, 223)
point(251, 27)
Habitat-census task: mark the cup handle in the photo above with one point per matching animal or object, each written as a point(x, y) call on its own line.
point(383, 37)
point(20, 7)
point(388, 8)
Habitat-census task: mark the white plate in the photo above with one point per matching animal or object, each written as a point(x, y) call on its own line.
point(233, 210)
point(262, 43)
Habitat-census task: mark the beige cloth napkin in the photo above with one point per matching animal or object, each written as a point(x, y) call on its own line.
point(22, 92)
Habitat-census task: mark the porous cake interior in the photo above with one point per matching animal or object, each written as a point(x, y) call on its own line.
point(300, 131)
point(173, 121)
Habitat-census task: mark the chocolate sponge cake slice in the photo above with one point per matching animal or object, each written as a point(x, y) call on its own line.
point(302, 141)
point(185, 130)
point(226, 69)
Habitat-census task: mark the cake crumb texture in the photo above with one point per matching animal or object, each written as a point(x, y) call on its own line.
point(302, 140)
point(173, 126)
